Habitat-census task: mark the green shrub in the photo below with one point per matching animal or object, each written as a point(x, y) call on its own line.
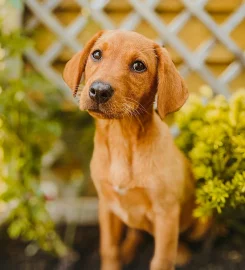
point(27, 131)
point(212, 134)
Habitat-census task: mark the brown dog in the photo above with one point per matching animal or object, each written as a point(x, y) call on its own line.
point(142, 179)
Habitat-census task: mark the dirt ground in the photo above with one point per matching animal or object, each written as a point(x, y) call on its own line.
point(227, 253)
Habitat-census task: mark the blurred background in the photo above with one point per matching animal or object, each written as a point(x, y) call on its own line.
point(48, 204)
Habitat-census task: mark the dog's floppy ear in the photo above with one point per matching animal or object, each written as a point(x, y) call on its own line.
point(171, 89)
point(75, 67)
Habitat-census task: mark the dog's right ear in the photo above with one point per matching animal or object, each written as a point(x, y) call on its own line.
point(75, 67)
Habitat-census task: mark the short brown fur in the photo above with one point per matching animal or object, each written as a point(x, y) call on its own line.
point(142, 179)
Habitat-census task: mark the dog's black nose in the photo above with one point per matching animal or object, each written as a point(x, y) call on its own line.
point(100, 92)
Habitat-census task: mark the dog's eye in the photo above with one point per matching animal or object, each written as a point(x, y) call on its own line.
point(138, 66)
point(97, 55)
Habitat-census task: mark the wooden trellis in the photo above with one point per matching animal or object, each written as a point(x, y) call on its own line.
point(167, 33)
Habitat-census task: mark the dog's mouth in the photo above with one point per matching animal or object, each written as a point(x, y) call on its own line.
point(98, 113)
point(94, 108)
point(95, 111)
point(102, 111)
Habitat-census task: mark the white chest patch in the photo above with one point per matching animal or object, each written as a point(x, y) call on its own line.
point(120, 191)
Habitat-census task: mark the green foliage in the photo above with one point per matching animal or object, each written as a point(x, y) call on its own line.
point(28, 130)
point(212, 134)
point(14, 42)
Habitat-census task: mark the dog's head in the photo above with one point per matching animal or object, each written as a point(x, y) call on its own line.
point(122, 72)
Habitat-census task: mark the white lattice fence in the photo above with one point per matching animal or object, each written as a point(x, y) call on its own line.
point(167, 33)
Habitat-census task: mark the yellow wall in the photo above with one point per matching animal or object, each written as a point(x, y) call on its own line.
point(192, 34)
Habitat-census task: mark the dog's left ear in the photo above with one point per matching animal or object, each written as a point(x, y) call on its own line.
point(171, 90)
point(75, 67)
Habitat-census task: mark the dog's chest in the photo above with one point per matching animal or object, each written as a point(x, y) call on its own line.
point(132, 205)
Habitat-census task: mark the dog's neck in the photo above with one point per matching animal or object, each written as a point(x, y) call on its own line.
point(132, 127)
point(119, 139)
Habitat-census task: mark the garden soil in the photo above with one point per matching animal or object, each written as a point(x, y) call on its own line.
point(225, 253)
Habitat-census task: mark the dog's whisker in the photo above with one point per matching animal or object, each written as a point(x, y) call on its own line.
point(128, 110)
point(134, 101)
point(133, 113)
point(141, 107)
point(140, 122)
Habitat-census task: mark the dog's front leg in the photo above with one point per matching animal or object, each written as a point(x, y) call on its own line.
point(166, 232)
point(110, 236)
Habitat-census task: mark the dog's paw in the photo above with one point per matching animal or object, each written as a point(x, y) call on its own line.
point(183, 255)
point(111, 264)
point(161, 265)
